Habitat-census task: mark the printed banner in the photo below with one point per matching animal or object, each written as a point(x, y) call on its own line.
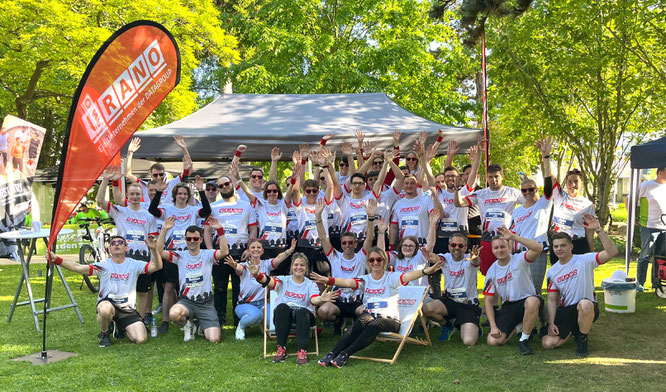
point(20, 145)
point(127, 79)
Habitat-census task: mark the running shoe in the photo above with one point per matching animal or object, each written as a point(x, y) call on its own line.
point(326, 361)
point(447, 332)
point(164, 327)
point(281, 354)
point(524, 347)
point(148, 319)
point(158, 309)
point(240, 333)
point(302, 357)
point(582, 349)
point(104, 339)
point(340, 360)
point(190, 331)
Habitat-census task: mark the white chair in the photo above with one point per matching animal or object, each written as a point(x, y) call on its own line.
point(410, 302)
point(269, 328)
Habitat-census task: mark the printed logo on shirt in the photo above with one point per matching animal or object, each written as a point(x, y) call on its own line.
point(505, 279)
point(183, 217)
point(375, 291)
point(348, 269)
point(568, 276)
point(115, 276)
point(457, 273)
point(498, 200)
point(194, 266)
point(135, 221)
point(409, 209)
point(406, 302)
point(290, 294)
point(570, 207)
point(522, 218)
point(230, 211)
point(404, 268)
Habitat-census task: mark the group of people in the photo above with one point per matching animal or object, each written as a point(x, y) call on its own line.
point(337, 243)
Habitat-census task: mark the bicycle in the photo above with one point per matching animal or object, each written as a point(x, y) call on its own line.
point(97, 250)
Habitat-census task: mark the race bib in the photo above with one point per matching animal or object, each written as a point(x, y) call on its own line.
point(448, 224)
point(376, 307)
point(119, 300)
point(458, 295)
point(564, 222)
point(410, 222)
point(495, 216)
point(193, 280)
point(134, 238)
point(230, 229)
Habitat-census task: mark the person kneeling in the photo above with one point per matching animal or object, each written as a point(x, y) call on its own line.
point(571, 285)
point(117, 287)
point(510, 278)
point(195, 266)
point(380, 312)
point(295, 304)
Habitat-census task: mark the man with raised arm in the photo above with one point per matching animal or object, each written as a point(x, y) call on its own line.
point(157, 171)
point(509, 278)
point(239, 221)
point(195, 294)
point(134, 224)
point(572, 304)
point(116, 305)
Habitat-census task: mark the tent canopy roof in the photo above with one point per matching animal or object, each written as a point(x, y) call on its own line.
point(649, 155)
point(262, 121)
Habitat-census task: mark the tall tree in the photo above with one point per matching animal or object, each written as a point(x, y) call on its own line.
point(559, 70)
point(47, 45)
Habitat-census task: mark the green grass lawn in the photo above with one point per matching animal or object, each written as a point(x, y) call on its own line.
point(627, 352)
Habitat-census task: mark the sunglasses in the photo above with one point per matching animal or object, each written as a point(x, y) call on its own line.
point(210, 189)
point(377, 162)
point(342, 164)
point(192, 239)
point(155, 175)
point(451, 176)
point(224, 184)
point(256, 176)
point(410, 159)
point(454, 245)
point(530, 190)
point(373, 260)
point(117, 242)
point(310, 191)
point(271, 191)
point(351, 242)
point(322, 178)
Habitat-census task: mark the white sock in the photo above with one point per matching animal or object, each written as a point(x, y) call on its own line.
point(524, 336)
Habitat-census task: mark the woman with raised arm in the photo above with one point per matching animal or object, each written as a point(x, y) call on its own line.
point(380, 301)
point(297, 297)
point(250, 300)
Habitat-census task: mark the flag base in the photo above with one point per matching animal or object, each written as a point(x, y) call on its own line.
point(45, 357)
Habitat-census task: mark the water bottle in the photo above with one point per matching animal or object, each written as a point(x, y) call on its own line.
point(153, 329)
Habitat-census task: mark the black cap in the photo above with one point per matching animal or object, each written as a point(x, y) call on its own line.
point(211, 183)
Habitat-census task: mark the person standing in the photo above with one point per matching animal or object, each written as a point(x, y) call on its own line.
point(653, 231)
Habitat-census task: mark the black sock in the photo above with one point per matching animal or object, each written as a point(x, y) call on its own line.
point(582, 336)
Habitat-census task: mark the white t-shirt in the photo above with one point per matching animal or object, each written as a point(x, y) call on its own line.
point(347, 269)
point(117, 282)
point(134, 226)
point(511, 282)
point(575, 279)
point(455, 218)
point(380, 297)
point(496, 207)
point(272, 219)
point(185, 217)
point(568, 212)
point(409, 264)
point(194, 274)
point(385, 201)
point(250, 289)
point(167, 196)
point(296, 295)
point(307, 220)
point(242, 196)
point(532, 222)
point(460, 278)
point(655, 193)
point(236, 218)
point(354, 217)
point(411, 216)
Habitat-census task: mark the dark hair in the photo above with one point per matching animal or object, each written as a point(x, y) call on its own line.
point(344, 159)
point(117, 236)
point(349, 234)
point(467, 166)
point(574, 172)
point(357, 175)
point(460, 235)
point(659, 169)
point(194, 229)
point(174, 191)
point(449, 168)
point(254, 169)
point(402, 241)
point(310, 183)
point(156, 166)
point(498, 237)
point(494, 167)
point(372, 173)
point(562, 236)
point(273, 182)
point(410, 175)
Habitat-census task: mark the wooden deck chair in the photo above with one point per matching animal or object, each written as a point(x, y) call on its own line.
point(269, 328)
point(410, 302)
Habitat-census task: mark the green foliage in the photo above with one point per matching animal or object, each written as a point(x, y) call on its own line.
point(619, 214)
point(48, 44)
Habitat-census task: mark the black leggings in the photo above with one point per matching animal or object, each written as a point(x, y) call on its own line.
point(364, 332)
point(285, 316)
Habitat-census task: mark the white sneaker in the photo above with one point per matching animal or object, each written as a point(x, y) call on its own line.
point(240, 333)
point(190, 330)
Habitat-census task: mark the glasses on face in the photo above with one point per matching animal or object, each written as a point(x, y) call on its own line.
point(322, 178)
point(224, 184)
point(271, 191)
point(358, 183)
point(350, 242)
point(192, 239)
point(342, 164)
point(373, 260)
point(210, 189)
point(311, 191)
point(256, 176)
point(410, 159)
point(450, 176)
point(117, 242)
point(156, 175)
point(377, 162)
point(530, 190)
point(453, 245)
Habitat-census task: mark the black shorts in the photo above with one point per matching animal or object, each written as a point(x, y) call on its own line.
point(463, 313)
point(511, 314)
point(170, 273)
point(348, 309)
point(566, 319)
point(144, 283)
point(122, 317)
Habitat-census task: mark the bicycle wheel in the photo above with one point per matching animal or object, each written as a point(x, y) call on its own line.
point(88, 255)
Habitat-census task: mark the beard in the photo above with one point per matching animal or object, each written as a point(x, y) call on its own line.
point(227, 194)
